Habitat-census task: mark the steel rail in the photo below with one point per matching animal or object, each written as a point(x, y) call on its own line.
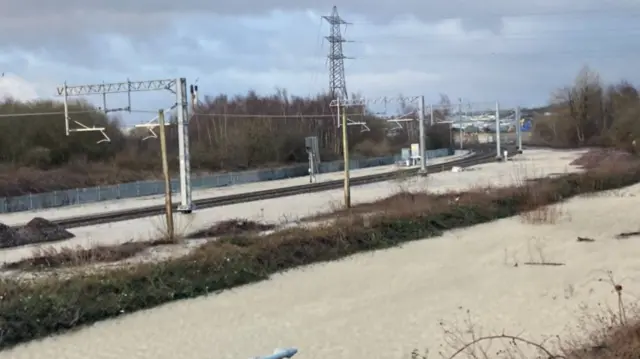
point(124, 215)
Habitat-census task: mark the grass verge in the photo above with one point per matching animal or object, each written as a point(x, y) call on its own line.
point(51, 257)
point(31, 310)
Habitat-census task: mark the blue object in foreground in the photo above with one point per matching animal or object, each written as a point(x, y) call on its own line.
point(281, 354)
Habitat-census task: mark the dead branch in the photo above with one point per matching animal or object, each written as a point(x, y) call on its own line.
point(511, 338)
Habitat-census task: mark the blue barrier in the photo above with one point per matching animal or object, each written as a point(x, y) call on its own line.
point(78, 196)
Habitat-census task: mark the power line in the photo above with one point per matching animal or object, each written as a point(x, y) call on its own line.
point(79, 112)
point(591, 34)
point(630, 51)
point(635, 11)
point(575, 35)
point(599, 11)
point(264, 116)
point(624, 50)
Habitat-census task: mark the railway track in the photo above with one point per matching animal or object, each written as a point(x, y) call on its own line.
point(483, 156)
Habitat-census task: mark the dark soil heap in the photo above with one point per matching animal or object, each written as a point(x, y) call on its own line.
point(38, 230)
point(231, 227)
point(597, 157)
point(8, 236)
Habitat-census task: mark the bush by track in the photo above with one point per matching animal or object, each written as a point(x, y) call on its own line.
point(32, 310)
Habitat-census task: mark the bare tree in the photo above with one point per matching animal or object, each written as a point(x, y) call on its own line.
point(589, 113)
point(227, 133)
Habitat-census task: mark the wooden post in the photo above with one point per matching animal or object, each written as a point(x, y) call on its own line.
point(167, 177)
point(345, 151)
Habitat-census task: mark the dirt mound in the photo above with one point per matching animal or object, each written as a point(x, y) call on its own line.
point(38, 230)
point(596, 157)
point(231, 227)
point(8, 236)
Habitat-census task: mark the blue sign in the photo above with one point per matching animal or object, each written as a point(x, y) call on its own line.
point(526, 125)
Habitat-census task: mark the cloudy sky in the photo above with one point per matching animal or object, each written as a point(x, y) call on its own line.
point(514, 51)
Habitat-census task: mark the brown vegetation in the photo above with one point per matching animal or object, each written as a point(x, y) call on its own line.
point(598, 157)
point(535, 211)
point(618, 341)
point(611, 335)
point(50, 257)
point(232, 227)
point(226, 133)
point(591, 113)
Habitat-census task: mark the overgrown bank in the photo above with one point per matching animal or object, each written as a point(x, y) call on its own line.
point(226, 134)
point(34, 310)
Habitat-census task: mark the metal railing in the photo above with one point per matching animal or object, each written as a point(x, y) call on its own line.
point(78, 196)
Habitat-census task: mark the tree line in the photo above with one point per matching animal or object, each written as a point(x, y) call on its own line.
point(226, 133)
point(252, 131)
point(590, 113)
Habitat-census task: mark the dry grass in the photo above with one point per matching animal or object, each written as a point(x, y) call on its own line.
point(597, 157)
point(605, 334)
point(398, 203)
point(524, 179)
point(525, 176)
point(51, 257)
point(408, 203)
point(543, 215)
point(232, 227)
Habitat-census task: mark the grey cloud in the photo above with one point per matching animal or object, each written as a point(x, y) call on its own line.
point(426, 9)
point(472, 24)
point(480, 57)
point(64, 26)
point(59, 30)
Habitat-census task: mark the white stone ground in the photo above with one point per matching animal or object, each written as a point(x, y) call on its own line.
point(535, 163)
point(386, 303)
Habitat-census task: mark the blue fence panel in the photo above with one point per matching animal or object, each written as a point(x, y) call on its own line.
point(442, 152)
point(156, 187)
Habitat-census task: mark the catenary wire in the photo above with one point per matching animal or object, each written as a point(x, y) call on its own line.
point(592, 34)
point(228, 115)
point(600, 53)
point(635, 10)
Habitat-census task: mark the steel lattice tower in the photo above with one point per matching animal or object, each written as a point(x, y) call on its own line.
point(337, 82)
